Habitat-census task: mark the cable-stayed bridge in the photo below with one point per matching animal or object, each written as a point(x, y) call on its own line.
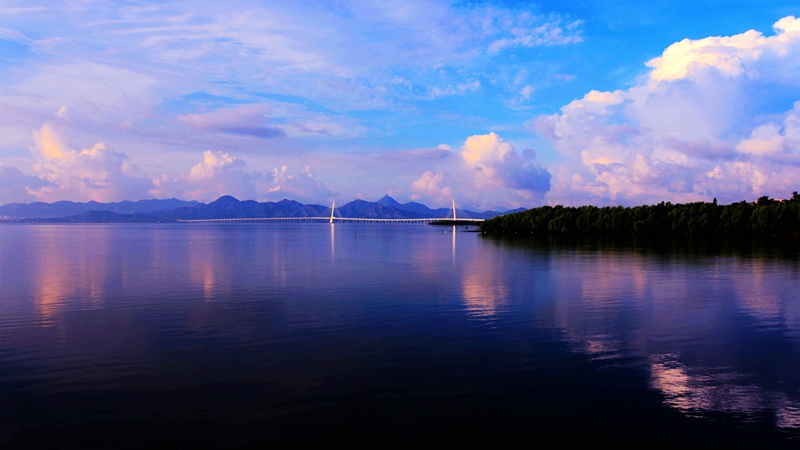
point(334, 218)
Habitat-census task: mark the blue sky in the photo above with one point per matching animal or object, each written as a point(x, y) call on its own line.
point(491, 103)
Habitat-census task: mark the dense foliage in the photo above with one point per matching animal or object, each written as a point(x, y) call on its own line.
point(765, 217)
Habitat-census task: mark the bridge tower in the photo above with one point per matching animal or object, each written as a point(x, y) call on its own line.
point(333, 207)
point(454, 210)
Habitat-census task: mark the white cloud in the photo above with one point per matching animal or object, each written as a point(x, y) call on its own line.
point(495, 162)
point(62, 113)
point(221, 174)
point(764, 140)
point(489, 172)
point(335, 54)
point(701, 124)
point(272, 80)
point(746, 54)
point(461, 89)
point(526, 92)
point(16, 187)
point(214, 163)
point(530, 32)
point(303, 187)
point(99, 173)
point(429, 185)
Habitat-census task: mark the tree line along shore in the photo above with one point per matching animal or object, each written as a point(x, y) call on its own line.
point(764, 217)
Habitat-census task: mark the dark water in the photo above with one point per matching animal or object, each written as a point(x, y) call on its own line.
point(228, 336)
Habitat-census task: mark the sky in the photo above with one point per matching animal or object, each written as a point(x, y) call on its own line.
point(493, 104)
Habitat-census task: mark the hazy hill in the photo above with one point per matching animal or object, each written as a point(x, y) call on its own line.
point(225, 207)
point(421, 211)
point(414, 207)
point(101, 217)
point(373, 210)
point(66, 208)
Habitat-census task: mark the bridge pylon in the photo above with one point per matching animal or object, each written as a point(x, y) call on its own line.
point(333, 208)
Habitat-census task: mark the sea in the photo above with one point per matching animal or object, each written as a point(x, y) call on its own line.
point(393, 336)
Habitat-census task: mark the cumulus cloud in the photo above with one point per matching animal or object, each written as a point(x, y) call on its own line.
point(746, 54)
point(429, 185)
point(221, 174)
point(16, 187)
point(488, 172)
point(303, 187)
point(157, 81)
point(495, 162)
point(705, 122)
point(99, 173)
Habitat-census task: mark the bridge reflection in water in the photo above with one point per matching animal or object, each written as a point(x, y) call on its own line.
point(337, 219)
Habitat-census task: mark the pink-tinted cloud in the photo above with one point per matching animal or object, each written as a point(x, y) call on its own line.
point(429, 185)
point(221, 174)
point(224, 174)
point(487, 172)
point(496, 163)
point(16, 187)
point(99, 173)
point(303, 186)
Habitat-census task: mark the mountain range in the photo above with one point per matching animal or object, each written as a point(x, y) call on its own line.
point(225, 207)
point(41, 210)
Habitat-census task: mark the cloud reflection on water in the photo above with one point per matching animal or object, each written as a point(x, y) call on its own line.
point(719, 390)
point(484, 282)
point(713, 333)
point(484, 292)
point(718, 334)
point(70, 275)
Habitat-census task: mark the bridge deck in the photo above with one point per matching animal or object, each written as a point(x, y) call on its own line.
point(324, 219)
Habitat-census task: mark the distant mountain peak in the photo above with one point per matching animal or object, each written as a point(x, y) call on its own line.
point(388, 201)
point(225, 206)
point(65, 208)
point(226, 199)
point(358, 201)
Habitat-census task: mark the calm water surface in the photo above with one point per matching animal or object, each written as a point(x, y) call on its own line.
point(227, 336)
